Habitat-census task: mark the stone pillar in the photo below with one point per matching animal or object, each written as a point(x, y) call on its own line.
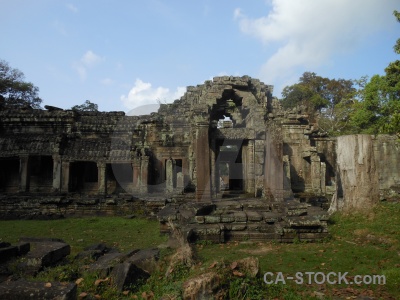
point(214, 173)
point(273, 169)
point(56, 173)
point(65, 176)
point(102, 178)
point(323, 178)
point(180, 185)
point(315, 173)
point(136, 172)
point(169, 174)
point(250, 176)
point(202, 163)
point(144, 171)
point(24, 173)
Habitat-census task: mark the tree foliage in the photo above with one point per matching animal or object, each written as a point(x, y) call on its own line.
point(351, 106)
point(328, 101)
point(14, 91)
point(86, 106)
point(397, 45)
point(378, 109)
point(317, 93)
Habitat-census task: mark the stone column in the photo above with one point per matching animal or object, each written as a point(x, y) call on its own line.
point(65, 176)
point(323, 178)
point(180, 181)
point(214, 173)
point(315, 173)
point(169, 174)
point(202, 163)
point(144, 171)
point(24, 173)
point(136, 172)
point(250, 176)
point(102, 178)
point(273, 169)
point(56, 173)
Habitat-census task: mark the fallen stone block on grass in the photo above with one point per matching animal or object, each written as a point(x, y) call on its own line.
point(104, 265)
point(145, 259)
point(22, 289)
point(125, 275)
point(44, 253)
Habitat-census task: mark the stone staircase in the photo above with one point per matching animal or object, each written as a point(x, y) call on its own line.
point(238, 219)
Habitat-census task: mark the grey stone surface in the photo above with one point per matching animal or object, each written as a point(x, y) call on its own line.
point(126, 274)
point(44, 252)
point(24, 290)
point(146, 259)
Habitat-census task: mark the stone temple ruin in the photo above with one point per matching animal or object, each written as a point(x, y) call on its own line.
point(224, 162)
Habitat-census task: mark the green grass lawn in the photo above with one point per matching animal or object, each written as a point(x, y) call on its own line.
point(124, 234)
point(360, 245)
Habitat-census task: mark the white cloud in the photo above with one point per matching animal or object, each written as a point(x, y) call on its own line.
point(237, 13)
point(72, 7)
point(308, 33)
point(142, 93)
point(107, 81)
point(88, 60)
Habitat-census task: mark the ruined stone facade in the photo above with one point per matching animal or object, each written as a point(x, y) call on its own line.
point(226, 138)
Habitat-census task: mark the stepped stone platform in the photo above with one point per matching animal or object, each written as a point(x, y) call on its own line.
point(238, 219)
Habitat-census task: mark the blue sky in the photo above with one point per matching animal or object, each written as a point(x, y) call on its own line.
point(123, 54)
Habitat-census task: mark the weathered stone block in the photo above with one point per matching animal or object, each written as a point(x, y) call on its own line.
point(106, 263)
point(240, 216)
point(22, 289)
point(8, 253)
point(146, 259)
point(238, 227)
point(23, 248)
point(227, 218)
point(253, 216)
point(44, 253)
point(126, 274)
point(212, 219)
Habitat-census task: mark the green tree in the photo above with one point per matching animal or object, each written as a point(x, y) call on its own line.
point(378, 107)
point(328, 101)
point(317, 93)
point(14, 91)
point(86, 106)
point(378, 110)
point(397, 45)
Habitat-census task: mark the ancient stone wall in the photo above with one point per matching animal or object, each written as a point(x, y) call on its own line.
point(387, 160)
point(223, 138)
point(357, 174)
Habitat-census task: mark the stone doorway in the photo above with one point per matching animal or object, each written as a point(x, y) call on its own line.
point(119, 178)
point(9, 175)
point(229, 167)
point(84, 177)
point(40, 174)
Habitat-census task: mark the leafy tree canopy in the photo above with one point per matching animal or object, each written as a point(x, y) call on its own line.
point(397, 45)
point(378, 109)
point(87, 106)
point(317, 93)
point(14, 91)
